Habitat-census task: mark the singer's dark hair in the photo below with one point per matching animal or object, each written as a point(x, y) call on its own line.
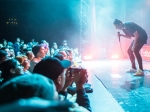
point(117, 21)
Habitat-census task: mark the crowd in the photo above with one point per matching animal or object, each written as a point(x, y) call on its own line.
point(37, 77)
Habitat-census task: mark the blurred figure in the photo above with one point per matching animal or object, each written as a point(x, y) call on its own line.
point(7, 50)
point(21, 43)
point(23, 49)
point(64, 45)
point(3, 56)
point(4, 42)
point(39, 53)
point(59, 56)
point(56, 70)
point(64, 53)
point(70, 54)
point(28, 86)
point(17, 47)
point(30, 55)
point(47, 51)
point(33, 42)
point(33, 93)
point(43, 42)
point(10, 45)
point(54, 49)
point(23, 60)
point(12, 53)
point(1, 45)
point(10, 68)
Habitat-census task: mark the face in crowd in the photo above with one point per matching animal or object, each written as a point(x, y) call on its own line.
point(23, 60)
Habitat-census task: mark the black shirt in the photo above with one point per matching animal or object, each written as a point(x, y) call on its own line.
point(131, 28)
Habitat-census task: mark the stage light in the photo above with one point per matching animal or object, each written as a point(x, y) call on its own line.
point(87, 57)
point(115, 56)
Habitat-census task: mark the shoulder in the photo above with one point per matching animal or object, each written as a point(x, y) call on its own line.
point(35, 60)
point(129, 23)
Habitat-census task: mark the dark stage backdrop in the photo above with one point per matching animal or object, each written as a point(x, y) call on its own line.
point(52, 20)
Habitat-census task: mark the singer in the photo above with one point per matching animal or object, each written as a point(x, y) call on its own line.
point(131, 29)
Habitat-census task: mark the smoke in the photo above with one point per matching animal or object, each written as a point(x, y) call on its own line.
point(126, 10)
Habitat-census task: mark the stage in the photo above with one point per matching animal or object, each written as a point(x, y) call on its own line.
point(115, 90)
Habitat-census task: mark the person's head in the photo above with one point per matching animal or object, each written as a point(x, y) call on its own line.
point(118, 24)
point(54, 46)
point(59, 56)
point(1, 45)
point(32, 40)
point(30, 55)
point(4, 42)
point(10, 68)
point(22, 41)
point(23, 60)
point(54, 69)
point(7, 50)
point(39, 51)
point(17, 39)
point(28, 86)
point(64, 43)
point(43, 42)
point(46, 46)
point(12, 53)
point(52, 51)
point(3, 56)
point(64, 53)
point(70, 54)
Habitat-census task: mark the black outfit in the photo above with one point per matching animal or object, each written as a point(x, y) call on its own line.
point(129, 29)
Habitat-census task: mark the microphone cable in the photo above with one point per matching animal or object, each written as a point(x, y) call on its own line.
point(120, 45)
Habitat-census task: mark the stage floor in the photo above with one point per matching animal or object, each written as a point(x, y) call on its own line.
point(115, 90)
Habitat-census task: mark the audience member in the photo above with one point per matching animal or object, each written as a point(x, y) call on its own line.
point(23, 60)
point(32, 93)
point(4, 42)
point(10, 68)
point(17, 47)
point(30, 55)
point(64, 53)
point(33, 42)
point(55, 69)
point(28, 86)
point(54, 49)
point(3, 56)
point(7, 50)
point(12, 53)
point(39, 53)
point(64, 45)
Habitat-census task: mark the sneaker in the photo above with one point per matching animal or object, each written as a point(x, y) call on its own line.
point(131, 70)
point(139, 73)
point(89, 90)
point(87, 85)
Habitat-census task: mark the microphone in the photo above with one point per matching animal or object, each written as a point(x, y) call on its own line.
point(119, 36)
